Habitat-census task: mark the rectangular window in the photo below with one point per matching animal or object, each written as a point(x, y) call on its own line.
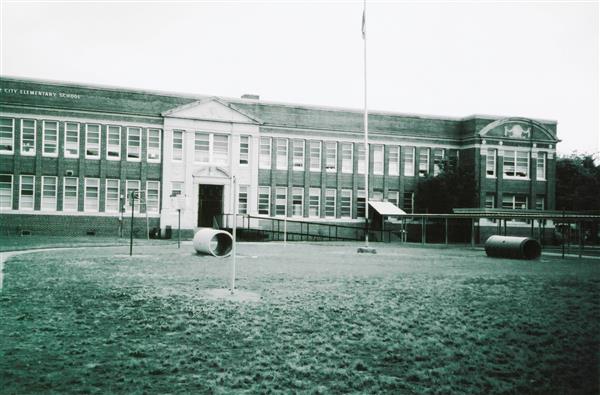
point(331, 157)
point(490, 200)
point(378, 159)
point(394, 161)
point(28, 135)
point(244, 150)
point(91, 200)
point(281, 152)
point(152, 194)
point(111, 202)
point(201, 147)
point(50, 138)
point(377, 196)
point(360, 203)
point(297, 202)
point(71, 149)
point(490, 163)
point(178, 145)
point(393, 197)
point(315, 155)
point(92, 141)
point(132, 186)
point(514, 201)
point(360, 153)
point(153, 152)
point(330, 203)
point(347, 157)
point(7, 135)
point(516, 164)
point(48, 193)
point(409, 202)
point(423, 162)
point(438, 159)
point(243, 199)
point(264, 161)
point(314, 202)
point(346, 203)
point(281, 201)
point(134, 144)
point(220, 149)
point(298, 155)
point(264, 200)
point(27, 193)
point(540, 202)
point(522, 164)
point(113, 143)
point(6, 188)
point(70, 188)
point(409, 162)
point(540, 166)
point(176, 188)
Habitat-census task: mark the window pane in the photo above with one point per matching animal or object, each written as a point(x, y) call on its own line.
point(314, 202)
point(113, 148)
point(265, 153)
point(346, 203)
point(330, 203)
point(360, 150)
point(92, 141)
point(298, 154)
point(50, 138)
point(281, 154)
point(92, 194)
point(134, 136)
point(152, 193)
point(27, 137)
point(509, 163)
point(541, 166)
point(297, 202)
point(315, 156)
point(281, 201)
point(331, 157)
point(201, 147)
point(438, 160)
point(111, 204)
point(6, 191)
point(71, 140)
point(153, 153)
point(409, 202)
point(360, 203)
point(490, 163)
point(264, 200)
point(409, 161)
point(378, 159)
point(347, 165)
point(178, 144)
point(423, 162)
point(243, 199)
point(244, 150)
point(48, 193)
point(26, 195)
point(70, 186)
point(221, 149)
point(7, 133)
point(394, 161)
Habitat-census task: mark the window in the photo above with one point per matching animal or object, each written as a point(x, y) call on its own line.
point(514, 201)
point(281, 149)
point(280, 201)
point(92, 141)
point(490, 163)
point(201, 147)
point(314, 202)
point(48, 193)
point(91, 199)
point(409, 202)
point(540, 202)
point(516, 164)
point(360, 203)
point(178, 145)
point(490, 200)
point(71, 149)
point(360, 153)
point(315, 155)
point(244, 150)
point(132, 186)
point(264, 161)
point(378, 159)
point(540, 166)
point(297, 202)
point(134, 144)
point(70, 187)
point(377, 196)
point(522, 164)
point(346, 203)
point(153, 152)
point(50, 138)
point(243, 199)
point(331, 157)
point(111, 202)
point(438, 159)
point(176, 188)
point(220, 154)
point(27, 192)
point(423, 162)
point(409, 161)
point(28, 137)
point(393, 197)
point(346, 152)
point(298, 155)
point(7, 135)
point(330, 203)
point(152, 193)
point(394, 161)
point(113, 143)
point(264, 200)
point(6, 181)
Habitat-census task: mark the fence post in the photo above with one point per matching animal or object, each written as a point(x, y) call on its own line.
point(446, 229)
point(472, 232)
point(423, 230)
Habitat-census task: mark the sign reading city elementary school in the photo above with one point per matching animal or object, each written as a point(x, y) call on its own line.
point(15, 91)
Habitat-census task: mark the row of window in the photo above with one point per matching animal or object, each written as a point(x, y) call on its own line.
point(515, 201)
point(113, 202)
point(515, 164)
point(74, 132)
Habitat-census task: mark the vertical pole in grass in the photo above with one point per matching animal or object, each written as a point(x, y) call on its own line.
point(234, 231)
point(131, 227)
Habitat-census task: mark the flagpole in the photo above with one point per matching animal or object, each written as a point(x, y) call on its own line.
point(366, 127)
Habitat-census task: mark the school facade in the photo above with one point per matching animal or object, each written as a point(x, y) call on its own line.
point(70, 156)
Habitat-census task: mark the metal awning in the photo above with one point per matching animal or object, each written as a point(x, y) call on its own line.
point(386, 208)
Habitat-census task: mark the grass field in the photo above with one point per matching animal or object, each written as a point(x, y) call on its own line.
point(407, 320)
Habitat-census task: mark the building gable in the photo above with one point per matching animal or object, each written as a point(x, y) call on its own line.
point(517, 129)
point(211, 109)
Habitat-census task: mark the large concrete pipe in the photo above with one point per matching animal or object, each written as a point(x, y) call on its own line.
point(213, 242)
point(512, 247)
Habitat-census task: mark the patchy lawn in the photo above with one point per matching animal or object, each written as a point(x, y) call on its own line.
point(407, 320)
point(18, 243)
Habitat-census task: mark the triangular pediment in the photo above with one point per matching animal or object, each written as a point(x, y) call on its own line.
point(211, 109)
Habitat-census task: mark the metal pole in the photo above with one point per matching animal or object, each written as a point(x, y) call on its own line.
point(285, 230)
point(234, 249)
point(423, 230)
point(366, 127)
point(131, 228)
point(446, 232)
point(178, 228)
point(472, 232)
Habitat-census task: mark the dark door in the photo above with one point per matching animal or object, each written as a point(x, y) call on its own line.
point(210, 203)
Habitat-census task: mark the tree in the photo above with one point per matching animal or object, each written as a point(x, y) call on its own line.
point(577, 183)
point(454, 187)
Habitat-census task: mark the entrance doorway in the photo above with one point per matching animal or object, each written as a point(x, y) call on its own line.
point(210, 203)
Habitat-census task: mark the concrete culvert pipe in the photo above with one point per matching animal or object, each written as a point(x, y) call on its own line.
point(512, 247)
point(213, 242)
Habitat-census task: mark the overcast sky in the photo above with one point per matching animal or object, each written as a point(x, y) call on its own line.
point(531, 59)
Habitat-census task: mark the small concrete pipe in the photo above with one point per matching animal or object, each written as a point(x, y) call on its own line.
point(512, 247)
point(213, 242)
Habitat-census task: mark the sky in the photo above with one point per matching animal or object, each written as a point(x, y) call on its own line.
point(505, 58)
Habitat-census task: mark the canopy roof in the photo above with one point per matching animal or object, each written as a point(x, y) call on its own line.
point(386, 208)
